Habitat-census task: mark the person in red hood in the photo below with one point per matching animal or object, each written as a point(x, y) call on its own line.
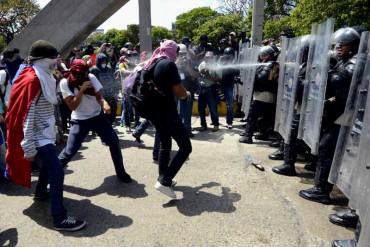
point(31, 122)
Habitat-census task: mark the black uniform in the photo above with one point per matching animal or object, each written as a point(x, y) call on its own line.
point(339, 81)
point(265, 82)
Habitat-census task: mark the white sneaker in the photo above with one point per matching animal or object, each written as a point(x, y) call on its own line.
point(168, 191)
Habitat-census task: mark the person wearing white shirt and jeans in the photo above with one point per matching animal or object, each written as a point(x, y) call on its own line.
point(86, 103)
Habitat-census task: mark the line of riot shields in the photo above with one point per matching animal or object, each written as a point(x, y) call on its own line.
point(321, 101)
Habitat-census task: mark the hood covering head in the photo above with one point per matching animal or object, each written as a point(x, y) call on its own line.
point(100, 59)
point(168, 49)
point(78, 74)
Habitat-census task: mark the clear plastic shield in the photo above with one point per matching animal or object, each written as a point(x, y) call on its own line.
point(247, 75)
point(360, 187)
point(345, 163)
point(290, 61)
point(315, 84)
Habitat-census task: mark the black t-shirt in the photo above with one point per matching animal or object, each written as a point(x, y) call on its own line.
point(166, 75)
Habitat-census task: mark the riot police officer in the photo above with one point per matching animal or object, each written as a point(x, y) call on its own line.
point(339, 81)
point(290, 150)
point(264, 95)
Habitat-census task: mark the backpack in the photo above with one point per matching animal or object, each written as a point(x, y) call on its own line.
point(145, 96)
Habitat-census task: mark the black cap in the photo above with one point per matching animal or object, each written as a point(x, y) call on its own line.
point(42, 49)
point(7, 54)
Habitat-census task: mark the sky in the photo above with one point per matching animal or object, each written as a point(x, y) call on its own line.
point(164, 12)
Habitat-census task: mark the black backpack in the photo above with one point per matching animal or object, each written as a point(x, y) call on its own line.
point(145, 96)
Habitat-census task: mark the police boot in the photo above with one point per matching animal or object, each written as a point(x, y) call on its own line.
point(246, 139)
point(344, 243)
point(278, 154)
point(346, 218)
point(288, 168)
point(321, 191)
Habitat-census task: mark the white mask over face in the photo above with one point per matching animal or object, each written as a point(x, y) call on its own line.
point(104, 65)
point(44, 71)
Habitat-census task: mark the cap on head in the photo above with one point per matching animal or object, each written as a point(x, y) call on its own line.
point(42, 49)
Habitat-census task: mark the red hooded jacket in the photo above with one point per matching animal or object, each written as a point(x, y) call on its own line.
point(25, 89)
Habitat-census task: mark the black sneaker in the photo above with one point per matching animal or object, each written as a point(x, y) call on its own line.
point(125, 178)
point(137, 137)
point(70, 224)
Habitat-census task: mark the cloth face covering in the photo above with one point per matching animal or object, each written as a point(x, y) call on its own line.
point(44, 71)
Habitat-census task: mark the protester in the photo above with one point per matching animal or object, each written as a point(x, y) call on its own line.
point(82, 92)
point(207, 94)
point(167, 123)
point(188, 79)
point(228, 80)
point(33, 98)
point(111, 86)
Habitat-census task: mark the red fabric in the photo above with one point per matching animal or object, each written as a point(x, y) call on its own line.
point(93, 59)
point(25, 89)
point(78, 74)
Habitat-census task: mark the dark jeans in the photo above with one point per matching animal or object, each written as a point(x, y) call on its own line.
point(157, 146)
point(328, 142)
point(229, 97)
point(172, 128)
point(128, 113)
point(51, 172)
point(142, 127)
point(186, 110)
point(78, 133)
point(112, 102)
point(257, 110)
point(208, 97)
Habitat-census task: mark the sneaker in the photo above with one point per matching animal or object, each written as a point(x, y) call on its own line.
point(190, 134)
point(203, 128)
point(229, 126)
point(215, 129)
point(137, 137)
point(125, 178)
point(70, 224)
point(168, 191)
point(174, 182)
point(128, 130)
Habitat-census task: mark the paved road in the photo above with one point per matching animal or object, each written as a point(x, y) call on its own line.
point(223, 202)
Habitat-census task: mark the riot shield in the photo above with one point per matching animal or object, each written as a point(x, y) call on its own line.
point(315, 84)
point(247, 75)
point(290, 60)
point(345, 162)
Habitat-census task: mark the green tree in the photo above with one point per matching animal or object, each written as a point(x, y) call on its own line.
point(15, 15)
point(159, 33)
point(238, 7)
point(349, 12)
point(132, 33)
point(2, 43)
point(187, 23)
point(220, 27)
point(274, 28)
point(116, 37)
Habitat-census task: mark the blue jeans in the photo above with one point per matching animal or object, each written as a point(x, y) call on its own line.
point(51, 172)
point(139, 131)
point(186, 110)
point(78, 133)
point(208, 97)
point(229, 97)
point(127, 111)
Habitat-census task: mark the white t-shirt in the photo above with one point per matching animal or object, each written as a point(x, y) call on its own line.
point(89, 106)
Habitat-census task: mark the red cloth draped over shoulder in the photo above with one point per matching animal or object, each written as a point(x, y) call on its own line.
point(25, 89)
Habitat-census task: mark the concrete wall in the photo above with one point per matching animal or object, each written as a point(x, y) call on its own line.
point(66, 23)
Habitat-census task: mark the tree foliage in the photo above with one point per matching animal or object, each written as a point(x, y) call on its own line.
point(220, 27)
point(187, 23)
point(235, 7)
point(159, 33)
point(15, 15)
point(346, 13)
